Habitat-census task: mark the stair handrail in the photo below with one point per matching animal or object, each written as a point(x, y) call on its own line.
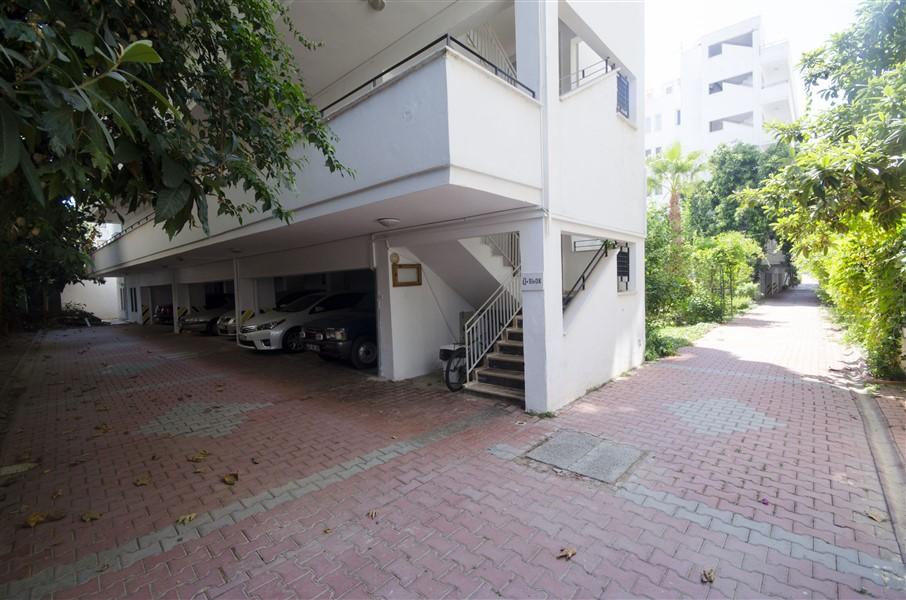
point(579, 285)
point(507, 244)
point(485, 327)
point(485, 41)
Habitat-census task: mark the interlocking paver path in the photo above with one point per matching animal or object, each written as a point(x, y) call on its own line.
point(756, 464)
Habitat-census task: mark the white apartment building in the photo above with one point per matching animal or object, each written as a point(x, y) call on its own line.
point(731, 83)
point(498, 200)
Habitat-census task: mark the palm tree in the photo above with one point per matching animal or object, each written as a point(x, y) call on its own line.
point(675, 170)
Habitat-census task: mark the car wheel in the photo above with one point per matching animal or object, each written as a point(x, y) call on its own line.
point(292, 340)
point(364, 353)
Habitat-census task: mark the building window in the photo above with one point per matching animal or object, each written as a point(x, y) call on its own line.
point(669, 89)
point(678, 117)
point(657, 122)
point(715, 50)
point(647, 152)
point(647, 124)
point(133, 300)
point(623, 95)
point(716, 87)
point(623, 270)
point(716, 125)
point(657, 150)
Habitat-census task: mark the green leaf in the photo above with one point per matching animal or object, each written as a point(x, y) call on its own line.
point(201, 208)
point(9, 140)
point(140, 52)
point(173, 173)
point(31, 175)
point(169, 202)
point(153, 92)
point(84, 40)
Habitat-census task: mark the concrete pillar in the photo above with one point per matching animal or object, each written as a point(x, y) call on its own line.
point(542, 314)
point(181, 303)
point(145, 308)
point(529, 49)
point(384, 317)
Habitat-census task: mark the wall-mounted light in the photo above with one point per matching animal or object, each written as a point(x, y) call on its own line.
point(377, 4)
point(388, 221)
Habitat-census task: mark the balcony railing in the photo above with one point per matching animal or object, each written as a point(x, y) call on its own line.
point(443, 41)
point(579, 78)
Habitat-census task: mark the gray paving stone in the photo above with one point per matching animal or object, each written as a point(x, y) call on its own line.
point(740, 533)
point(762, 528)
point(806, 541)
point(828, 560)
point(759, 539)
point(703, 520)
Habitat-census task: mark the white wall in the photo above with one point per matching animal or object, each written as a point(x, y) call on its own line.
point(600, 170)
point(421, 319)
point(102, 299)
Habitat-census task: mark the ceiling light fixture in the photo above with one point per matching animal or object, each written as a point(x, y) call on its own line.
point(388, 221)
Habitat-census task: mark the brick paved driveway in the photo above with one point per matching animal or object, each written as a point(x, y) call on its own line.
point(756, 465)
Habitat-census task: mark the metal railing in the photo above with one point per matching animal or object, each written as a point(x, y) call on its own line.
point(507, 245)
point(623, 95)
point(487, 324)
point(486, 43)
point(579, 285)
point(485, 327)
point(124, 231)
point(576, 79)
point(446, 41)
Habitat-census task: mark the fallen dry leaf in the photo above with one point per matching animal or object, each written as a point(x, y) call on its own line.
point(198, 470)
point(875, 515)
point(520, 422)
point(186, 519)
point(709, 575)
point(328, 531)
point(103, 567)
point(231, 478)
point(255, 461)
point(154, 457)
point(101, 408)
point(102, 428)
point(56, 494)
point(199, 456)
point(142, 481)
point(372, 514)
point(36, 518)
point(567, 553)
point(90, 516)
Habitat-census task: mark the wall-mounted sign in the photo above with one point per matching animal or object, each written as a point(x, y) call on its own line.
point(406, 275)
point(532, 282)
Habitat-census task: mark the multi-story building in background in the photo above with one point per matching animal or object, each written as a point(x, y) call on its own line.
point(731, 84)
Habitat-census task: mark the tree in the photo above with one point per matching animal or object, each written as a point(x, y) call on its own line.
point(665, 288)
point(713, 206)
point(843, 196)
point(675, 170)
point(115, 105)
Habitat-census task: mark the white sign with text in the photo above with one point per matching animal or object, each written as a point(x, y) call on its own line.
point(532, 282)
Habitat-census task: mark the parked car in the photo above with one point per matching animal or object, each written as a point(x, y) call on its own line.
point(163, 314)
point(226, 324)
point(281, 328)
point(206, 320)
point(349, 336)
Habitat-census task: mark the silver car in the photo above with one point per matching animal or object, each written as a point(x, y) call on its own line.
point(204, 320)
point(226, 324)
point(281, 328)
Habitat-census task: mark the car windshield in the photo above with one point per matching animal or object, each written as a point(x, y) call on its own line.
point(299, 303)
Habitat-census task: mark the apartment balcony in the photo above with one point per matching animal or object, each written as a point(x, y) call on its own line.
point(438, 136)
point(731, 100)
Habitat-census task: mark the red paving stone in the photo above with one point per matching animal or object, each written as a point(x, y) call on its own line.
point(757, 465)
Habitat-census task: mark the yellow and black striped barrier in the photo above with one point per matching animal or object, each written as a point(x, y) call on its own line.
point(146, 315)
point(181, 312)
point(245, 316)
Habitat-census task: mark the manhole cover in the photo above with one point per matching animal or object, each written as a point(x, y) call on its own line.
point(587, 455)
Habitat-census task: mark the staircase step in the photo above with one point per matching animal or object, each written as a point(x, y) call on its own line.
point(518, 320)
point(495, 391)
point(501, 377)
point(512, 362)
point(509, 347)
point(514, 334)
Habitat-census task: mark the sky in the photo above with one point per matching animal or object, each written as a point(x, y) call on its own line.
point(671, 25)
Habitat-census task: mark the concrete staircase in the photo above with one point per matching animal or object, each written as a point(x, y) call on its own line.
point(502, 372)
